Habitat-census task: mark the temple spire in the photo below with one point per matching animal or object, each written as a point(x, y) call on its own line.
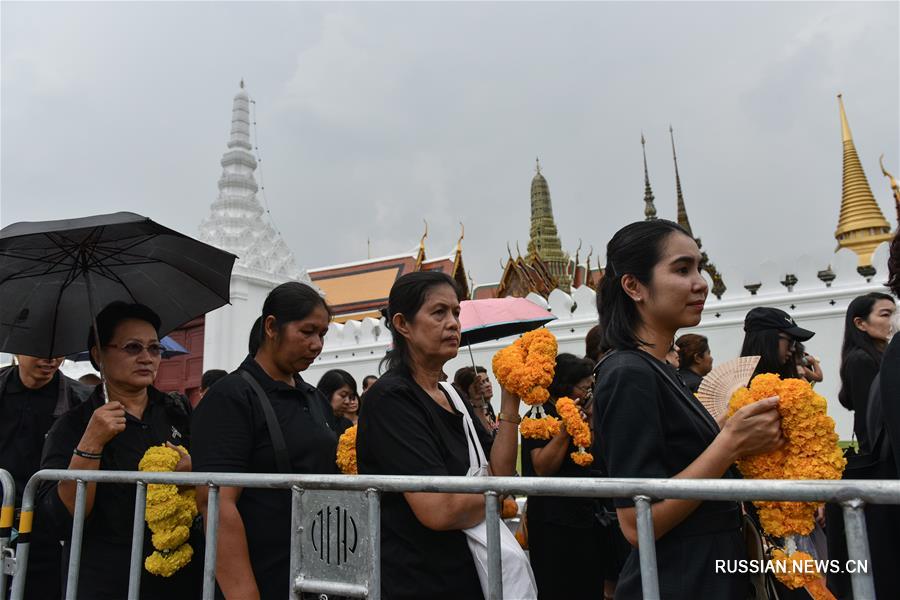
point(649, 207)
point(544, 242)
point(861, 225)
point(682, 211)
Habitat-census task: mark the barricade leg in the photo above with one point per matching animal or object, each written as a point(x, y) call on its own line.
point(137, 542)
point(77, 535)
point(212, 542)
point(7, 513)
point(858, 548)
point(495, 566)
point(374, 584)
point(296, 532)
point(647, 548)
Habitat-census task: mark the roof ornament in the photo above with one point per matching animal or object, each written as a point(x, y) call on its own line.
point(894, 187)
point(649, 208)
point(682, 211)
point(242, 83)
point(537, 164)
point(462, 234)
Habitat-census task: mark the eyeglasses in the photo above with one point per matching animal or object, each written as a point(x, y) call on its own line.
point(136, 348)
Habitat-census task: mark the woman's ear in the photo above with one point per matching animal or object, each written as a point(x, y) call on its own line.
point(632, 287)
point(860, 324)
point(399, 324)
point(95, 354)
point(270, 327)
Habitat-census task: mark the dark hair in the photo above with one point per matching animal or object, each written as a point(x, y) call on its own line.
point(691, 346)
point(635, 249)
point(210, 377)
point(570, 369)
point(593, 344)
point(110, 317)
point(765, 345)
point(407, 296)
point(291, 301)
point(255, 336)
point(465, 377)
point(333, 380)
point(893, 281)
point(855, 339)
point(374, 378)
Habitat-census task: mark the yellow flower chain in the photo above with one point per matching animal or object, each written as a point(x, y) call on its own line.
point(578, 429)
point(169, 514)
point(526, 369)
point(346, 452)
point(793, 572)
point(811, 452)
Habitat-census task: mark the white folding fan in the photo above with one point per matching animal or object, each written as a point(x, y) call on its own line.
point(721, 383)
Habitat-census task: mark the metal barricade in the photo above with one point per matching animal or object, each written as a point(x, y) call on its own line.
point(7, 510)
point(355, 503)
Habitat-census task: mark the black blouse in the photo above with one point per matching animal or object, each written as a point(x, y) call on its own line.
point(858, 370)
point(403, 431)
point(560, 510)
point(106, 545)
point(690, 379)
point(230, 435)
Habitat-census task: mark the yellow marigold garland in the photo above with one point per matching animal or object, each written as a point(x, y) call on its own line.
point(811, 452)
point(578, 429)
point(793, 572)
point(510, 508)
point(169, 514)
point(346, 452)
point(526, 368)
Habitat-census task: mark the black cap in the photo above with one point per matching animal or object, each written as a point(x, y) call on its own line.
point(764, 318)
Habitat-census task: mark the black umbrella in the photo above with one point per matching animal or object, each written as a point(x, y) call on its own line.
point(56, 275)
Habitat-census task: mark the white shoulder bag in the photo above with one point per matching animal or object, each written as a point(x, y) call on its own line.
point(518, 579)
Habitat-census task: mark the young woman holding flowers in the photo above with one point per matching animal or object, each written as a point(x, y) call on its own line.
point(339, 387)
point(867, 331)
point(231, 435)
point(647, 424)
point(409, 426)
point(563, 534)
point(114, 435)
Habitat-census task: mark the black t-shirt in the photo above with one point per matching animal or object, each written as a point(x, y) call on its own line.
point(403, 431)
point(106, 546)
point(890, 396)
point(858, 370)
point(645, 428)
point(26, 416)
point(559, 510)
point(690, 379)
point(230, 435)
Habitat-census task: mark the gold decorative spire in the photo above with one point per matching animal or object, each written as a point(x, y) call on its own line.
point(420, 258)
point(894, 187)
point(682, 211)
point(462, 234)
point(861, 225)
point(649, 207)
point(544, 242)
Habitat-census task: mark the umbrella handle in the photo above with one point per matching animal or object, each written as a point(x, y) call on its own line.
point(90, 293)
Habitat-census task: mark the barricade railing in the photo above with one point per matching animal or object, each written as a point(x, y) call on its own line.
point(320, 501)
point(7, 512)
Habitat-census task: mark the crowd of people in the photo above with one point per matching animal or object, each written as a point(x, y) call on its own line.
point(635, 385)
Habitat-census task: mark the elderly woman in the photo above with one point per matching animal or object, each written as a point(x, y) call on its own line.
point(231, 434)
point(409, 426)
point(114, 436)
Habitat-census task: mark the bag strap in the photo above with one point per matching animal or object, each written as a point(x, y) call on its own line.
point(282, 461)
point(476, 452)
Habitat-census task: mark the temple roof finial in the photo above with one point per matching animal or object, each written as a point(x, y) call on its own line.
point(649, 207)
point(242, 83)
point(861, 225)
point(544, 243)
point(895, 189)
point(537, 164)
point(682, 211)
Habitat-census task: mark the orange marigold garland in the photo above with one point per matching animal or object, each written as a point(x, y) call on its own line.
point(509, 509)
point(526, 369)
point(346, 452)
point(811, 452)
point(578, 429)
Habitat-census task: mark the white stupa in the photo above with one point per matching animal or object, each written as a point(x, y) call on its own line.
point(238, 224)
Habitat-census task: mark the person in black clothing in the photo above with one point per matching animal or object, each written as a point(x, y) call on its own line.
point(890, 369)
point(339, 388)
point(114, 436)
point(647, 424)
point(563, 533)
point(33, 394)
point(408, 426)
point(476, 389)
point(867, 330)
point(694, 359)
point(209, 378)
point(231, 435)
point(772, 334)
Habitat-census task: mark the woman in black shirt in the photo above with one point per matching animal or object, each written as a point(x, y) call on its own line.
point(563, 533)
point(647, 424)
point(408, 426)
point(114, 436)
point(231, 435)
point(867, 330)
point(339, 388)
point(694, 359)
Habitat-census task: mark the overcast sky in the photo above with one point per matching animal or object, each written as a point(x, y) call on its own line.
point(372, 117)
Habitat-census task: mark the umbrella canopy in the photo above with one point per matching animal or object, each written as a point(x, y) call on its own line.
point(56, 275)
point(170, 348)
point(495, 318)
